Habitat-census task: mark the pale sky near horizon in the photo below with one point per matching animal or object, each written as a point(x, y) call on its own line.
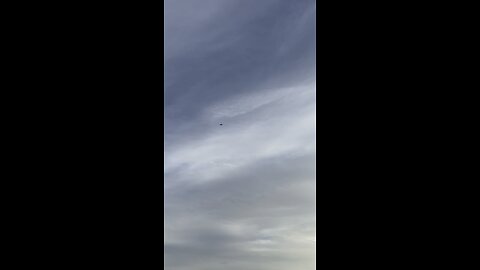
point(240, 196)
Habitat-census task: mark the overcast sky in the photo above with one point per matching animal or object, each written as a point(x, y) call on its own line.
point(241, 195)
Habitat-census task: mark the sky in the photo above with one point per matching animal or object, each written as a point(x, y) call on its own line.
point(240, 195)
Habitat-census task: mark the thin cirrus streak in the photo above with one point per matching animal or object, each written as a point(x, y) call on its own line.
point(240, 195)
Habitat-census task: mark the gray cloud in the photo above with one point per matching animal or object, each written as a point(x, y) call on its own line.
point(241, 195)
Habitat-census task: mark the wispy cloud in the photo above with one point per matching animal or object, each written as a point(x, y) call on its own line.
point(240, 195)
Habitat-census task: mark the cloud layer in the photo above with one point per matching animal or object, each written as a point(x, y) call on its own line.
point(240, 195)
